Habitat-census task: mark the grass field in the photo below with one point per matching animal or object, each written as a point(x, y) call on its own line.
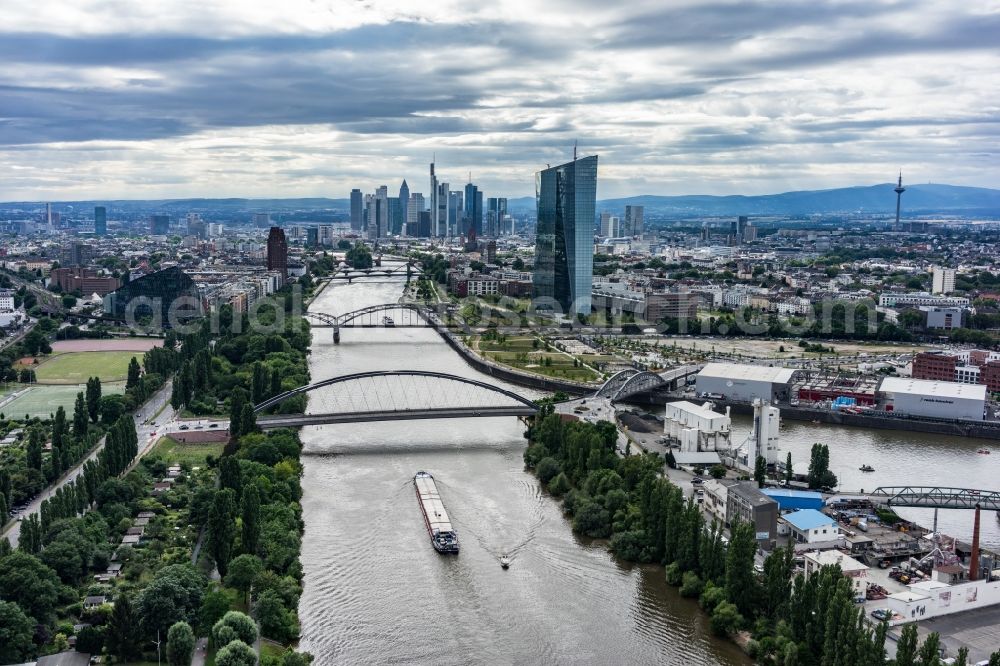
point(77, 367)
point(41, 400)
point(520, 352)
point(170, 450)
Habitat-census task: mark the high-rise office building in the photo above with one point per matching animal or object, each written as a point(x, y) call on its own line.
point(357, 210)
point(100, 220)
point(159, 225)
point(424, 224)
point(312, 236)
point(943, 280)
point(564, 243)
point(378, 213)
point(610, 226)
point(473, 210)
point(440, 216)
point(196, 226)
point(435, 190)
point(277, 252)
point(456, 212)
point(399, 226)
point(496, 212)
point(633, 220)
point(397, 215)
point(414, 208)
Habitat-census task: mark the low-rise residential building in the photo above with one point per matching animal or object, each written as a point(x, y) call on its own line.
point(850, 567)
point(746, 503)
point(811, 526)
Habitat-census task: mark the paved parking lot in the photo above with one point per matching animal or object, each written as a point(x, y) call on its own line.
point(978, 630)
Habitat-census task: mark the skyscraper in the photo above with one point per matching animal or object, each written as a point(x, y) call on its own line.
point(399, 225)
point(378, 214)
point(899, 189)
point(440, 215)
point(456, 212)
point(100, 221)
point(159, 225)
point(277, 252)
point(564, 245)
point(434, 201)
point(357, 210)
point(496, 211)
point(414, 207)
point(473, 210)
point(633, 220)
point(610, 226)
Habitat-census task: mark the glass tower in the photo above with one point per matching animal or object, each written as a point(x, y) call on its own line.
point(564, 244)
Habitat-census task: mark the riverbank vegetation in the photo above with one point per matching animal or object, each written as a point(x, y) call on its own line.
point(783, 618)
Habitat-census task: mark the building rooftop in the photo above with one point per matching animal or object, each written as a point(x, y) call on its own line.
point(695, 409)
point(827, 557)
point(757, 373)
point(696, 457)
point(929, 387)
point(808, 519)
point(788, 492)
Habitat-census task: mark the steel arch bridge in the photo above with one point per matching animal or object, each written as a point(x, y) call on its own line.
point(408, 315)
point(398, 395)
point(627, 383)
point(351, 274)
point(936, 497)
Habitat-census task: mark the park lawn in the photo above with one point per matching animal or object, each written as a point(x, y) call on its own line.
point(512, 344)
point(78, 367)
point(561, 367)
point(42, 400)
point(170, 450)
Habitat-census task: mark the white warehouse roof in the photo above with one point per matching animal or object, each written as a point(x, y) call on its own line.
point(754, 373)
point(929, 387)
point(701, 411)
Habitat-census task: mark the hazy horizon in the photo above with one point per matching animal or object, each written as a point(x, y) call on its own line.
point(310, 99)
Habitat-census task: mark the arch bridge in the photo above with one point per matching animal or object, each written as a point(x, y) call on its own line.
point(631, 383)
point(935, 497)
point(404, 315)
point(351, 274)
point(398, 395)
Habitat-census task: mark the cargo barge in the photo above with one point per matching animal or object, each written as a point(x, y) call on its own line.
point(439, 528)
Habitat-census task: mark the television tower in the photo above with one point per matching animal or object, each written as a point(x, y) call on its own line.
point(899, 195)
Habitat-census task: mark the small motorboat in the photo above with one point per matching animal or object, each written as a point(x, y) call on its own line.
point(866, 468)
point(815, 421)
point(505, 561)
point(985, 452)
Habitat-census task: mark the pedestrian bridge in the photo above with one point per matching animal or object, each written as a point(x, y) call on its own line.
point(398, 395)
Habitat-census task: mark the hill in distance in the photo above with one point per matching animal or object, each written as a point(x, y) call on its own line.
point(918, 199)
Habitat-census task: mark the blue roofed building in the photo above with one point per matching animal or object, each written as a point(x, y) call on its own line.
point(811, 526)
point(793, 500)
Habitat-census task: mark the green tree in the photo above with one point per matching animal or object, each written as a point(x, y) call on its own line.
point(243, 571)
point(726, 619)
point(760, 471)
point(222, 528)
point(80, 416)
point(906, 648)
point(16, 632)
point(930, 651)
point(123, 630)
point(241, 625)
point(93, 398)
point(236, 653)
point(214, 605)
point(820, 475)
point(962, 659)
point(230, 475)
point(133, 373)
point(248, 419)
point(59, 428)
point(276, 622)
point(180, 644)
point(174, 595)
point(741, 584)
point(250, 515)
point(33, 455)
point(24, 580)
point(788, 468)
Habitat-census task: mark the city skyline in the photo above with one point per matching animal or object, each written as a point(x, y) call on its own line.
point(309, 100)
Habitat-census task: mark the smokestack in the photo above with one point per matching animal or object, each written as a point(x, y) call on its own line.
point(974, 562)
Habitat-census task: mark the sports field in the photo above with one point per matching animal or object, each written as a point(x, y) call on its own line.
point(38, 400)
point(78, 367)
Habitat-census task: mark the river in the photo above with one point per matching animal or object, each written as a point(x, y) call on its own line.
point(375, 591)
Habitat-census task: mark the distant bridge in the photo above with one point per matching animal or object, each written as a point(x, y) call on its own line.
point(406, 315)
point(399, 395)
point(351, 274)
point(933, 497)
point(630, 383)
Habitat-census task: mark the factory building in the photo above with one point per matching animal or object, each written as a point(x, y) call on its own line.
point(743, 383)
point(696, 427)
point(941, 400)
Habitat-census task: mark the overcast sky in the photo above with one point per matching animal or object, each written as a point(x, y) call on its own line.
point(258, 98)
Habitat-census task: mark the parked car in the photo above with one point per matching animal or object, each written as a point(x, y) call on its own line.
point(185, 427)
point(881, 614)
point(697, 481)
